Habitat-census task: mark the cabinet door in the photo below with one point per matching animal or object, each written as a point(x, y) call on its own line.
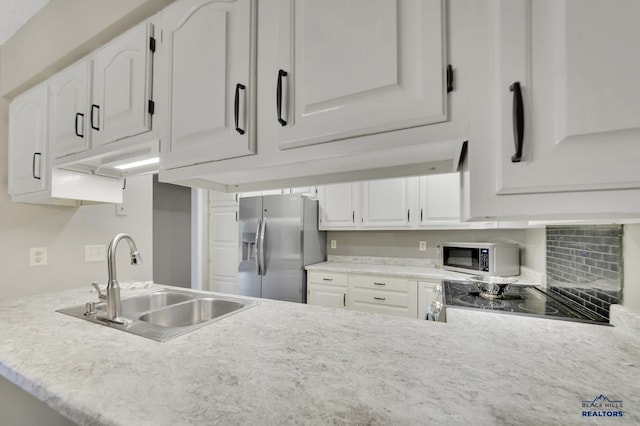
point(28, 171)
point(211, 82)
point(223, 248)
point(222, 199)
point(439, 199)
point(69, 112)
point(324, 295)
point(122, 87)
point(350, 68)
point(577, 64)
point(386, 203)
point(338, 204)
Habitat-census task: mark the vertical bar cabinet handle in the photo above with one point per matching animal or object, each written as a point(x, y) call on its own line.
point(78, 134)
point(282, 121)
point(239, 87)
point(33, 166)
point(518, 121)
point(93, 108)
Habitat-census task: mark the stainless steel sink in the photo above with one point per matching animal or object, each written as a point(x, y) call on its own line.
point(191, 313)
point(164, 314)
point(147, 302)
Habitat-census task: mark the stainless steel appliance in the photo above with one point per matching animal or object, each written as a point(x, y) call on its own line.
point(278, 237)
point(482, 258)
point(519, 300)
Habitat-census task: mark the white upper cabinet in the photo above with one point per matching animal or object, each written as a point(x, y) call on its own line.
point(28, 171)
point(339, 206)
point(31, 177)
point(386, 203)
point(70, 92)
point(121, 105)
point(210, 70)
point(350, 68)
point(439, 199)
point(578, 68)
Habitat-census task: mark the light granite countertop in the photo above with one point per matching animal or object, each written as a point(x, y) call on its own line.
point(286, 363)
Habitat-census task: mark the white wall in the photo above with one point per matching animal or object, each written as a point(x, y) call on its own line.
point(65, 231)
point(534, 249)
point(631, 267)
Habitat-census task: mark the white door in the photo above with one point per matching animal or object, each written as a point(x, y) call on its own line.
point(223, 248)
point(338, 205)
point(324, 295)
point(28, 171)
point(122, 87)
point(577, 65)
point(439, 199)
point(211, 82)
point(348, 68)
point(69, 111)
point(386, 203)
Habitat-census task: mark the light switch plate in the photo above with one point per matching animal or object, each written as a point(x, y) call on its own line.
point(94, 253)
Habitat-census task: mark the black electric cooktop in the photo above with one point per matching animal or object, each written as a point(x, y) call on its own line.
point(522, 300)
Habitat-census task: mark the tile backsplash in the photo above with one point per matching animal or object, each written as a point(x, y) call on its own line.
point(584, 266)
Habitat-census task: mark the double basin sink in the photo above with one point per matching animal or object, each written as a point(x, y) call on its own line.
point(164, 314)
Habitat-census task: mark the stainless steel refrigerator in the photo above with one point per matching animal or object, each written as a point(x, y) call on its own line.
point(279, 236)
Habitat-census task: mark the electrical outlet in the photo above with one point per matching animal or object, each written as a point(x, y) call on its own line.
point(423, 246)
point(94, 253)
point(37, 256)
point(334, 244)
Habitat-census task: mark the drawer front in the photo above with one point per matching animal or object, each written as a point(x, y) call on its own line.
point(378, 297)
point(329, 278)
point(382, 309)
point(380, 282)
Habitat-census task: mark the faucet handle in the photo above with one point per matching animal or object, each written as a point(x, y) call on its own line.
point(101, 295)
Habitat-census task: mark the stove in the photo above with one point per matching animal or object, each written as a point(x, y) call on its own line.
point(519, 300)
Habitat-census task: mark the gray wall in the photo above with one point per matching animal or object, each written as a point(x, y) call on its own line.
point(171, 234)
point(406, 243)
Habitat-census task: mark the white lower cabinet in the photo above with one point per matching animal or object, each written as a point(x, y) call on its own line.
point(327, 289)
point(383, 295)
point(369, 293)
point(426, 296)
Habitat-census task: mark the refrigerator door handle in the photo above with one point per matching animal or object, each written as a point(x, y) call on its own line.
point(257, 246)
point(263, 269)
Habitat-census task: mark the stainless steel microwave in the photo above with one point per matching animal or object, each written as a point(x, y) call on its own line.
point(493, 259)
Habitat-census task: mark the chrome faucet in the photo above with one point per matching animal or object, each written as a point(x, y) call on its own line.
point(114, 308)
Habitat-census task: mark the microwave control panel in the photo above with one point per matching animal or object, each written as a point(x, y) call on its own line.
point(484, 260)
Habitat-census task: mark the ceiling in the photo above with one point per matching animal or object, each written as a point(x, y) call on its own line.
point(15, 13)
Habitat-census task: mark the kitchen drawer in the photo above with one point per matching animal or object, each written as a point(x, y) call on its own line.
point(379, 297)
point(380, 282)
point(327, 278)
